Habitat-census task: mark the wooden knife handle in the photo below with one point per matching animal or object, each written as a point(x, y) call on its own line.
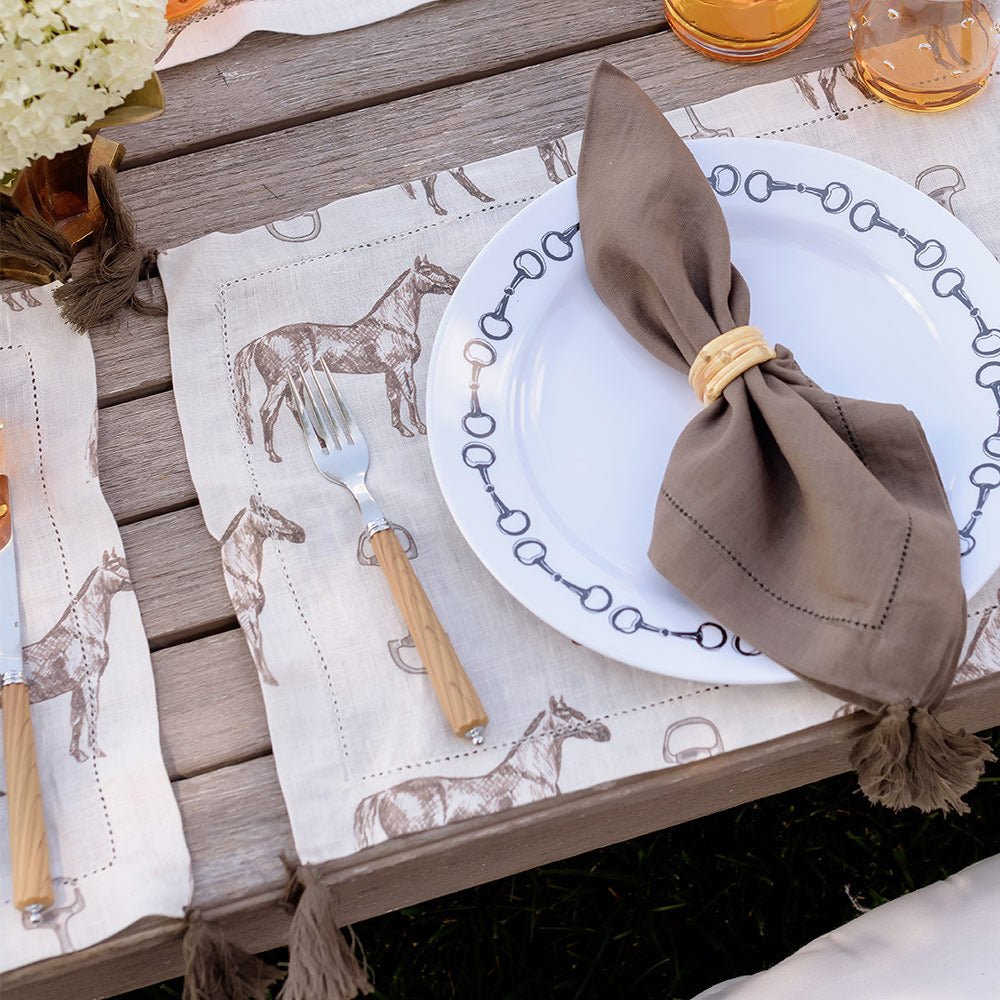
point(452, 686)
point(29, 849)
point(5, 520)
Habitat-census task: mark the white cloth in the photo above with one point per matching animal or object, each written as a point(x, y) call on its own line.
point(361, 748)
point(117, 848)
point(938, 943)
point(220, 24)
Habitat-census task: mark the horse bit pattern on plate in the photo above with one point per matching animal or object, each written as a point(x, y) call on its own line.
point(479, 353)
point(725, 180)
point(949, 282)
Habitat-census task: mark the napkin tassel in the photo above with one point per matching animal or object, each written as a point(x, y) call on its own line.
point(40, 246)
point(905, 757)
point(216, 969)
point(119, 264)
point(322, 963)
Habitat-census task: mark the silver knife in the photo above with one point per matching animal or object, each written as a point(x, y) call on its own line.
point(29, 849)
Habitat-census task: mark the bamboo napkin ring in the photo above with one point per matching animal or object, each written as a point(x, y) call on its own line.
point(725, 358)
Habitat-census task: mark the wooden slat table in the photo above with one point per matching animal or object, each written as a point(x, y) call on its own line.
point(275, 127)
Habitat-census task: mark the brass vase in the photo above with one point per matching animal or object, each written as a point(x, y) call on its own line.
point(57, 191)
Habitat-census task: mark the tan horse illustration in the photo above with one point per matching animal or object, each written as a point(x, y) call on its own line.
point(384, 340)
point(72, 656)
point(827, 79)
point(554, 155)
point(529, 773)
point(91, 452)
point(430, 182)
point(25, 296)
point(242, 559)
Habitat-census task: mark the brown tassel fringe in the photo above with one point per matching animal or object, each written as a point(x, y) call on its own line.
point(215, 969)
point(905, 757)
point(35, 244)
point(322, 964)
point(120, 263)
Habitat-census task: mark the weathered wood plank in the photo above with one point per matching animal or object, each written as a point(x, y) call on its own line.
point(132, 355)
point(245, 805)
point(140, 453)
point(210, 704)
point(248, 90)
point(247, 183)
point(236, 826)
point(177, 574)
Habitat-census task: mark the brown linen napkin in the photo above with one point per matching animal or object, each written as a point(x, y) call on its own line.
point(814, 526)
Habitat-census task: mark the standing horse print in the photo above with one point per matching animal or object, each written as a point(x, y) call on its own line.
point(72, 656)
point(242, 560)
point(430, 182)
point(554, 155)
point(26, 299)
point(827, 79)
point(529, 773)
point(383, 341)
point(91, 448)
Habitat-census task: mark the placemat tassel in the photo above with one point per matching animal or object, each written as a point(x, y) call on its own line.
point(322, 963)
point(119, 264)
point(35, 243)
point(905, 757)
point(216, 969)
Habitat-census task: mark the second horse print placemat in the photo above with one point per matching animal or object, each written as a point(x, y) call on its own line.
point(216, 25)
point(114, 830)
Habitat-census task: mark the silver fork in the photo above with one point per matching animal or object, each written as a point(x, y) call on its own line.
point(340, 452)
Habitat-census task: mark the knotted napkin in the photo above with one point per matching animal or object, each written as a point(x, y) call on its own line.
point(814, 526)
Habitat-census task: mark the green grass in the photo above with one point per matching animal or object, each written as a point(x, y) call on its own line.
point(666, 915)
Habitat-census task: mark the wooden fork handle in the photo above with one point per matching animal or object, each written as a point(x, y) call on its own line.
point(29, 849)
point(454, 690)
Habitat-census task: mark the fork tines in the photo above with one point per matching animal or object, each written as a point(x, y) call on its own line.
point(332, 425)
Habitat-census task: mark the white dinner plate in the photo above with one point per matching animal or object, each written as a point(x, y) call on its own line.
point(550, 427)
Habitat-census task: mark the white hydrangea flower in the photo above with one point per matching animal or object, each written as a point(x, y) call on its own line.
point(64, 63)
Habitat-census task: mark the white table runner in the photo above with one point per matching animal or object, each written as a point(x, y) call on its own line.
point(219, 24)
point(361, 748)
point(117, 848)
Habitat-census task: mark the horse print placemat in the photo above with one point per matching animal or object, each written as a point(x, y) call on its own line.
point(117, 848)
point(217, 25)
point(362, 750)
